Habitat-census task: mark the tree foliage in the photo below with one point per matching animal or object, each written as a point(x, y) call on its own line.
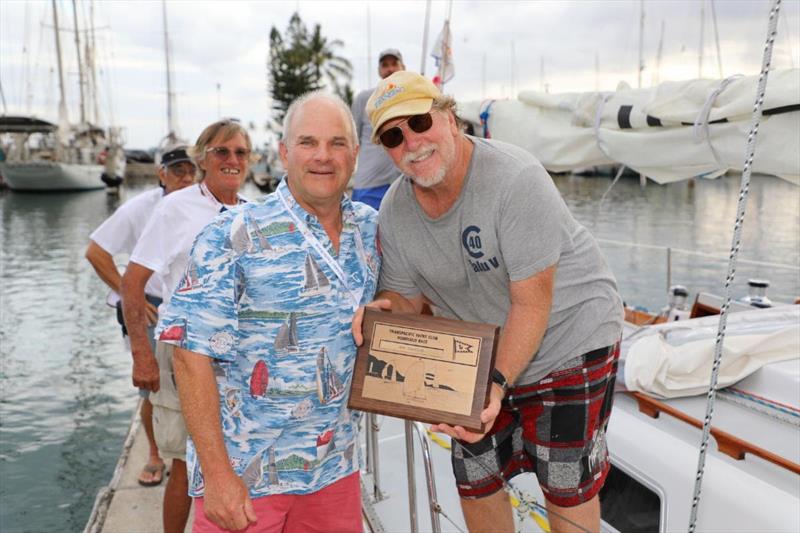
point(301, 61)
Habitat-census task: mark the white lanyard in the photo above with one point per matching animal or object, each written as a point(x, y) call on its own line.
point(355, 295)
point(213, 199)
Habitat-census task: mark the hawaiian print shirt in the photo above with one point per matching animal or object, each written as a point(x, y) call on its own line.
point(262, 301)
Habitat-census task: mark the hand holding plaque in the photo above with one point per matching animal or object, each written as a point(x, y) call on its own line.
point(424, 368)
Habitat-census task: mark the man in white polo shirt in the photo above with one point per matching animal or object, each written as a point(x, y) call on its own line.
point(119, 235)
point(222, 153)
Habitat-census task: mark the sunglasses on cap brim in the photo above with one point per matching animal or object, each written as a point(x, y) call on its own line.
point(393, 137)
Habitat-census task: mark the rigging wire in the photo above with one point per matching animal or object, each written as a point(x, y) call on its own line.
point(735, 246)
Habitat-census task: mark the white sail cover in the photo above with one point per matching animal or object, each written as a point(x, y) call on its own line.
point(670, 132)
point(674, 360)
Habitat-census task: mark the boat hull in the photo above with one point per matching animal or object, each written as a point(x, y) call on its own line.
point(48, 176)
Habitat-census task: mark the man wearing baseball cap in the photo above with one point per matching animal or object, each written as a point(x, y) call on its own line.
point(375, 170)
point(476, 228)
point(119, 235)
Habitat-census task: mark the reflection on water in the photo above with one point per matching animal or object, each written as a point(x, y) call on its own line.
point(65, 397)
point(65, 392)
point(697, 217)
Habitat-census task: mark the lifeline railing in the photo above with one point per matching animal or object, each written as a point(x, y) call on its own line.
point(373, 468)
point(669, 250)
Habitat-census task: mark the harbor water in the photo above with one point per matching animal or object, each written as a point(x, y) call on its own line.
point(65, 393)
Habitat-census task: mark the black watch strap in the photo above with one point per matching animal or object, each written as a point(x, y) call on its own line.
point(500, 379)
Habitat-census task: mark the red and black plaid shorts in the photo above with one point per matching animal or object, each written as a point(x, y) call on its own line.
point(555, 428)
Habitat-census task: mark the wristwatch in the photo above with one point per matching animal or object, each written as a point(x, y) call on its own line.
point(500, 379)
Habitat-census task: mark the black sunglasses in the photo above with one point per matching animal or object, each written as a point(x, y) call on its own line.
point(394, 135)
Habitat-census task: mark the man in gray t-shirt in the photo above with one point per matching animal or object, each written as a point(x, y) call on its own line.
point(375, 171)
point(477, 229)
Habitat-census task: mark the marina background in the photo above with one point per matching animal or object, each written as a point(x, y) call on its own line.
point(219, 51)
point(65, 393)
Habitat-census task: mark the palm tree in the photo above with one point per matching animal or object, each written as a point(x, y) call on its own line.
point(328, 65)
point(300, 60)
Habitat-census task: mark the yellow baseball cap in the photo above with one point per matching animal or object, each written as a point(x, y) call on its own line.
point(402, 94)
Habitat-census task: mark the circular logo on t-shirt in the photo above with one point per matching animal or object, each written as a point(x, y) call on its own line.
point(471, 240)
point(221, 342)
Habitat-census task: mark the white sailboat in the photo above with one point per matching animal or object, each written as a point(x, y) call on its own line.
point(315, 281)
point(49, 157)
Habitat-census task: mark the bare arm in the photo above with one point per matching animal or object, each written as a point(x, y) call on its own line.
point(103, 264)
point(226, 500)
point(520, 338)
point(145, 367)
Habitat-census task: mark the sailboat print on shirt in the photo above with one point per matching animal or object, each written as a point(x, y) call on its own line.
point(329, 384)
point(190, 278)
point(240, 239)
point(315, 281)
point(286, 339)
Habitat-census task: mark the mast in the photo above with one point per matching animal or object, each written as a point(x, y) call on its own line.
point(62, 102)
point(26, 50)
point(425, 37)
point(716, 37)
point(81, 78)
point(658, 54)
point(370, 66)
point(513, 70)
point(702, 30)
point(91, 62)
point(3, 98)
point(596, 72)
point(172, 135)
point(640, 65)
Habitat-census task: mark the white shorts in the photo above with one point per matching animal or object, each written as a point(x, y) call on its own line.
point(168, 425)
point(170, 432)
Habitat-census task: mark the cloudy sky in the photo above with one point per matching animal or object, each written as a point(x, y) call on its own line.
point(219, 50)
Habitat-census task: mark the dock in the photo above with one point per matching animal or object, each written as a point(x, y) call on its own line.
point(124, 506)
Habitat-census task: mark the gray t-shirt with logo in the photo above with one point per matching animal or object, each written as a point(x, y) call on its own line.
point(508, 224)
point(375, 167)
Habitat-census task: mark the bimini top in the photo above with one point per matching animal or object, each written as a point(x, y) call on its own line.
point(19, 124)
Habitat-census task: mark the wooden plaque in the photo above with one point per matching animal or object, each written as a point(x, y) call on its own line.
point(424, 368)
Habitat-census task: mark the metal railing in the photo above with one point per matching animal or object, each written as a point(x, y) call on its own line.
point(669, 250)
point(373, 468)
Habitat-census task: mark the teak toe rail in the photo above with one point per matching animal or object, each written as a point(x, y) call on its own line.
point(727, 443)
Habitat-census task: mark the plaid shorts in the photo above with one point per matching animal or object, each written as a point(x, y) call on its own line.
point(554, 428)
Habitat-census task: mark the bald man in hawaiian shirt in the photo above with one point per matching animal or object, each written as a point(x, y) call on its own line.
point(265, 358)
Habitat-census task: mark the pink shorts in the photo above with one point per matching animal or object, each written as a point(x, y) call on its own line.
point(334, 509)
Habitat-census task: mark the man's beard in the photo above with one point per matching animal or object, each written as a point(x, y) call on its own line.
point(424, 181)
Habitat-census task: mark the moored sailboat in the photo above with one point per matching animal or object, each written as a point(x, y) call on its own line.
point(47, 157)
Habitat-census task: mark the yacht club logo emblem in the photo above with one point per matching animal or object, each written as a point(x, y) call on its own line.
point(471, 241)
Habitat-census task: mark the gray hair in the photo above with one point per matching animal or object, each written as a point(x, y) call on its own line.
point(445, 103)
point(227, 128)
point(334, 99)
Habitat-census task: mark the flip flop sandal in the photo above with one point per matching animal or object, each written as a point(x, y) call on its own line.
point(153, 469)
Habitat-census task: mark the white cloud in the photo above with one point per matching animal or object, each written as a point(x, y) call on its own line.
point(227, 43)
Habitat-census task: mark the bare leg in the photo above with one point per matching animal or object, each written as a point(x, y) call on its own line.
point(177, 502)
point(146, 413)
point(587, 515)
point(490, 514)
point(147, 421)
